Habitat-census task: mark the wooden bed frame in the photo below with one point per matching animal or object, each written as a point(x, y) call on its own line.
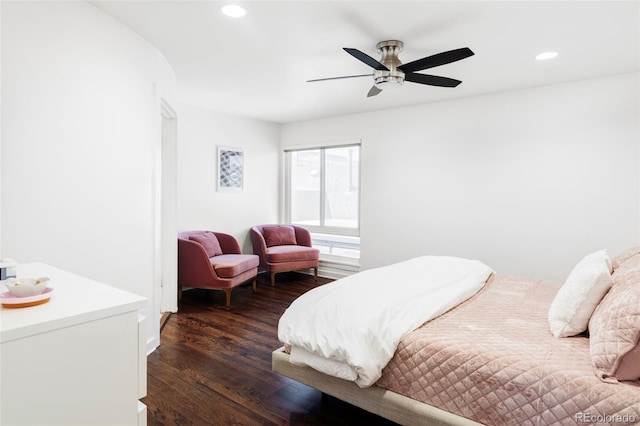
point(385, 403)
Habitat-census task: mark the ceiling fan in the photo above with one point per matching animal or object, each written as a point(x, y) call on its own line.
point(390, 73)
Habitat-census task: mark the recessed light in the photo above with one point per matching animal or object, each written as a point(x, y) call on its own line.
point(546, 55)
point(233, 10)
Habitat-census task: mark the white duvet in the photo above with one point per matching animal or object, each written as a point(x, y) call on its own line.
point(350, 328)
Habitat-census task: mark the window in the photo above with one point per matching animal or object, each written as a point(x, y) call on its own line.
point(323, 195)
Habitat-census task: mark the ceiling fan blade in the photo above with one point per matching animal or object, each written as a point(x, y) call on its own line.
point(431, 80)
point(339, 78)
point(436, 60)
point(373, 91)
point(366, 59)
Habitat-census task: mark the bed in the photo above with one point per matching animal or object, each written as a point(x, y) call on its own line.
point(492, 359)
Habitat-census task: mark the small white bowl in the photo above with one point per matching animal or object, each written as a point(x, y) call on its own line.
point(23, 287)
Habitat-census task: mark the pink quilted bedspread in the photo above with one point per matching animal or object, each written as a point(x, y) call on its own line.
point(493, 359)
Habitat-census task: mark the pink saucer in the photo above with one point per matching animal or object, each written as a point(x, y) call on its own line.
point(8, 300)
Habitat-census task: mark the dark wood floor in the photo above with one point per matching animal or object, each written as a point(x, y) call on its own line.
point(213, 366)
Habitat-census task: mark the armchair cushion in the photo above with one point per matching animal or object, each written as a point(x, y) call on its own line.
point(279, 235)
point(209, 241)
point(279, 254)
point(232, 265)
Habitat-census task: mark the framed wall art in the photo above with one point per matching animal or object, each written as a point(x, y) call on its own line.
point(230, 169)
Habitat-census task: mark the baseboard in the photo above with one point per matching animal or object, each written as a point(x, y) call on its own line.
point(163, 319)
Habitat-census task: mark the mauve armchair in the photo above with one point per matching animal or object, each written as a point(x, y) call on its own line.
point(213, 260)
point(283, 248)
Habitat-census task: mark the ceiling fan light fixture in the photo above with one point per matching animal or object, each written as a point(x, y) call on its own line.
point(546, 55)
point(233, 11)
point(389, 82)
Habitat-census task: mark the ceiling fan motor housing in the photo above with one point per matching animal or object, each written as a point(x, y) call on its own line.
point(392, 79)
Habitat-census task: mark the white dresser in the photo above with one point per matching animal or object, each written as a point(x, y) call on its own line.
point(79, 359)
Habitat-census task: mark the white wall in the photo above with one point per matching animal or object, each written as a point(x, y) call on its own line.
point(0, 132)
point(200, 206)
point(81, 120)
point(527, 181)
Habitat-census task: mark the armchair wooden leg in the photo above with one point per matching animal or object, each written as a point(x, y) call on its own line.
point(227, 292)
point(273, 279)
point(255, 282)
point(315, 274)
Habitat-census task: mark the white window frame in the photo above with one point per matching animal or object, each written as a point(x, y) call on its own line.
point(331, 230)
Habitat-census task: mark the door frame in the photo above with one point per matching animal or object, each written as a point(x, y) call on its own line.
point(168, 270)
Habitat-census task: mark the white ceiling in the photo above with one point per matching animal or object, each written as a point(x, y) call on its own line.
point(257, 66)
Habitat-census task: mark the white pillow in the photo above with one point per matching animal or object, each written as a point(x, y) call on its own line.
point(576, 300)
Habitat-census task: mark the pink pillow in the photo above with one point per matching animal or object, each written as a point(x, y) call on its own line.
point(617, 261)
point(210, 243)
point(279, 235)
point(614, 328)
